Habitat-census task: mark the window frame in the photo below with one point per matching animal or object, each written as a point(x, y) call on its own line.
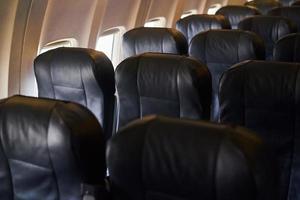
point(72, 42)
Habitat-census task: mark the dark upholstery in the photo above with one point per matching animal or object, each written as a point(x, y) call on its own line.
point(264, 96)
point(157, 40)
point(292, 13)
point(49, 150)
point(296, 3)
point(264, 6)
point(235, 13)
point(162, 84)
point(270, 28)
point(194, 24)
point(84, 76)
point(287, 49)
point(220, 49)
point(169, 159)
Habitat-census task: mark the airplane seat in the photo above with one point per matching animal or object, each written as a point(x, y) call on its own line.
point(292, 13)
point(264, 6)
point(264, 97)
point(50, 149)
point(236, 13)
point(287, 49)
point(164, 158)
point(156, 40)
point(270, 28)
point(84, 76)
point(220, 49)
point(164, 84)
point(295, 3)
point(194, 24)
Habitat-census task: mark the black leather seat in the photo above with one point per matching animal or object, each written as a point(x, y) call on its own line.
point(84, 76)
point(296, 3)
point(236, 13)
point(264, 96)
point(163, 84)
point(50, 150)
point(220, 49)
point(157, 40)
point(163, 158)
point(292, 13)
point(287, 49)
point(270, 28)
point(194, 24)
point(264, 6)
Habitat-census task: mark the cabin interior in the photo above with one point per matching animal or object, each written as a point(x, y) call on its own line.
point(149, 99)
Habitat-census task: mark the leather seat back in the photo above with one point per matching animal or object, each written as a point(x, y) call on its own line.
point(163, 158)
point(264, 6)
point(158, 40)
point(84, 76)
point(49, 150)
point(287, 49)
point(236, 13)
point(220, 49)
point(164, 84)
point(292, 13)
point(264, 97)
point(194, 24)
point(270, 28)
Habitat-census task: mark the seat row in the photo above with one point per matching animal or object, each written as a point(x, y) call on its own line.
point(139, 40)
point(55, 150)
point(160, 157)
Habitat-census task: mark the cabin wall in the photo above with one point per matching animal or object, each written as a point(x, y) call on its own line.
point(195, 4)
point(8, 11)
point(170, 9)
point(28, 25)
point(120, 13)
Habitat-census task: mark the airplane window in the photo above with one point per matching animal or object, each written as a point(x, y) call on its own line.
point(188, 13)
point(67, 42)
point(156, 22)
point(214, 8)
point(110, 44)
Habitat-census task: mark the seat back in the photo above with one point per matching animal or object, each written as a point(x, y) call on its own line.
point(49, 150)
point(163, 84)
point(292, 13)
point(158, 40)
point(84, 76)
point(270, 28)
point(264, 97)
point(287, 49)
point(220, 49)
point(236, 13)
point(163, 158)
point(264, 6)
point(194, 24)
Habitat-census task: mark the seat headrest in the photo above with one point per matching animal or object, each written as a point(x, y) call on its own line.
point(236, 13)
point(156, 40)
point(164, 84)
point(194, 24)
point(226, 46)
point(287, 49)
point(291, 13)
point(164, 158)
point(264, 6)
point(48, 149)
point(270, 28)
point(84, 76)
